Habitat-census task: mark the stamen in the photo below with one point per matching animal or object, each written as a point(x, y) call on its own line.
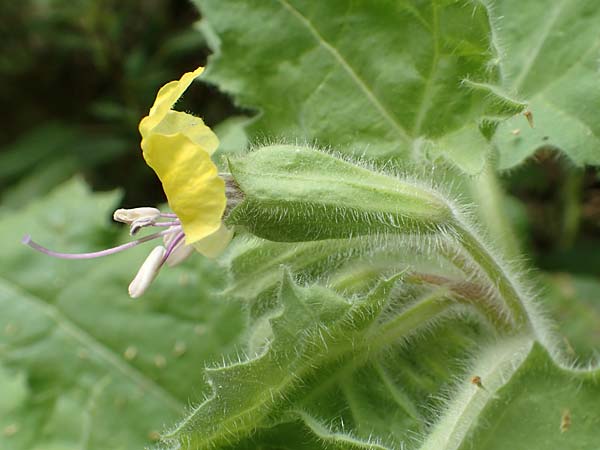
point(147, 273)
point(110, 251)
point(137, 225)
point(130, 215)
point(175, 223)
point(173, 245)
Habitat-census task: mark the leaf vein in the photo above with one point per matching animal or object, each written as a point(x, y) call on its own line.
point(90, 342)
point(428, 90)
point(535, 52)
point(362, 85)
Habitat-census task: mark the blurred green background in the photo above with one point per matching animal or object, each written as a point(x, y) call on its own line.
point(76, 78)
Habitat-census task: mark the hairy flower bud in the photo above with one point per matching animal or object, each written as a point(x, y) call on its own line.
point(293, 193)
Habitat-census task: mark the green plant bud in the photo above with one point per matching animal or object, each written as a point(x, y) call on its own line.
point(293, 193)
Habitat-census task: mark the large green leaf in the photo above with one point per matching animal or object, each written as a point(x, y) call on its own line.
point(549, 57)
point(253, 393)
point(331, 366)
point(543, 406)
point(84, 365)
point(524, 400)
point(380, 79)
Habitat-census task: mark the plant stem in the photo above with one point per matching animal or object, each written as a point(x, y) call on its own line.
point(496, 274)
point(466, 293)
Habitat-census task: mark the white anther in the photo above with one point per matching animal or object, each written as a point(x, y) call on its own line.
point(130, 215)
point(147, 272)
point(140, 223)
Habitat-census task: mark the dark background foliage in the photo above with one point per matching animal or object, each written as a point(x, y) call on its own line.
point(77, 76)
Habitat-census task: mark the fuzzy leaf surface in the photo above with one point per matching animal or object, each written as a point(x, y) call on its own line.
point(384, 79)
point(83, 365)
point(549, 57)
point(317, 362)
point(543, 406)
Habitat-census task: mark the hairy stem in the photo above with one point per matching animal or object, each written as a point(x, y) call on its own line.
point(467, 293)
point(497, 275)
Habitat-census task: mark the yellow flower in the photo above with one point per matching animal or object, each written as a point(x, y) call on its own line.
point(178, 147)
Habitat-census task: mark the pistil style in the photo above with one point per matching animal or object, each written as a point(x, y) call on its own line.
point(173, 251)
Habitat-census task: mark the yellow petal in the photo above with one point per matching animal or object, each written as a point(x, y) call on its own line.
point(191, 126)
point(214, 244)
point(165, 99)
point(190, 181)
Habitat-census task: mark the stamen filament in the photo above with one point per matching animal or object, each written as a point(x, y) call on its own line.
point(136, 226)
point(110, 251)
point(172, 246)
point(174, 223)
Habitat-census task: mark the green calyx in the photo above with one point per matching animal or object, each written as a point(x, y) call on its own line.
point(298, 194)
point(294, 193)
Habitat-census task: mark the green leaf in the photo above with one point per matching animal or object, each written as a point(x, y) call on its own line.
point(302, 336)
point(85, 366)
point(232, 137)
point(41, 180)
point(384, 80)
point(494, 364)
point(525, 400)
point(550, 58)
point(349, 266)
point(543, 406)
point(254, 265)
point(385, 403)
point(321, 361)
